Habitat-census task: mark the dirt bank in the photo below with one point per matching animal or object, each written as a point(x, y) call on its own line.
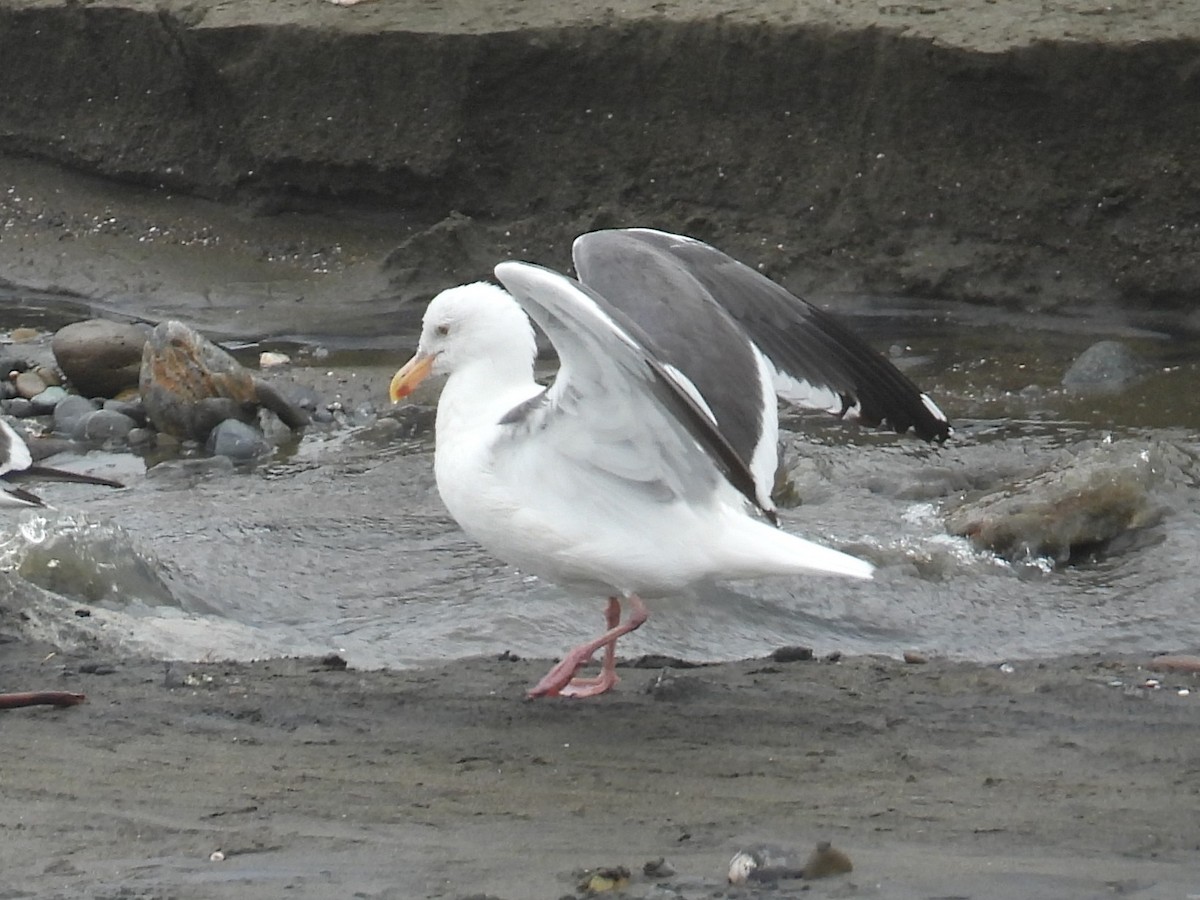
point(1026, 153)
point(1064, 779)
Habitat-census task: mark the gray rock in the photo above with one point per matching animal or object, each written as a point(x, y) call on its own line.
point(237, 440)
point(100, 358)
point(69, 411)
point(47, 401)
point(132, 408)
point(18, 408)
point(140, 437)
point(1104, 367)
point(103, 426)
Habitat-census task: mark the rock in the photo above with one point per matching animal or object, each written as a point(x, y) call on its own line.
point(237, 440)
point(49, 376)
point(140, 437)
point(28, 384)
point(100, 358)
point(1104, 367)
point(102, 426)
point(47, 401)
point(69, 411)
point(11, 365)
point(827, 860)
point(1083, 503)
point(132, 408)
point(189, 384)
point(18, 408)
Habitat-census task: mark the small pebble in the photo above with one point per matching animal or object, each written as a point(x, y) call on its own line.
point(138, 437)
point(271, 358)
point(216, 856)
point(827, 860)
point(29, 385)
point(792, 654)
point(915, 658)
point(47, 399)
point(658, 868)
point(49, 377)
point(613, 878)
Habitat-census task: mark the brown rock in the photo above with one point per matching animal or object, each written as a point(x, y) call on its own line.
point(827, 860)
point(189, 385)
point(99, 358)
point(28, 384)
point(1081, 504)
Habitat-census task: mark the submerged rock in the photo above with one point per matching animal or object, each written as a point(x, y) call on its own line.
point(189, 385)
point(1104, 367)
point(100, 358)
point(1083, 503)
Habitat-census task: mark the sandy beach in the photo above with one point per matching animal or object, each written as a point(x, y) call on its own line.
point(1073, 778)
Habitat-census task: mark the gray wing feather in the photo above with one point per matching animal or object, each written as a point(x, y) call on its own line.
point(802, 341)
point(613, 409)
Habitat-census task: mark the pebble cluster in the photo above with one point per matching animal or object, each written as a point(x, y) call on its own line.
point(91, 383)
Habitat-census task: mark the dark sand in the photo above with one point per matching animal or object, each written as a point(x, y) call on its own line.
point(1038, 155)
point(1063, 778)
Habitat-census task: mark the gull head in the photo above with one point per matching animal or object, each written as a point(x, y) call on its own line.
point(474, 322)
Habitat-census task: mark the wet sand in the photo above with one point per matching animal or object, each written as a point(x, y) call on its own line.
point(1064, 778)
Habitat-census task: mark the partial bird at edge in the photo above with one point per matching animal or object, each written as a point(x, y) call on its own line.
point(16, 464)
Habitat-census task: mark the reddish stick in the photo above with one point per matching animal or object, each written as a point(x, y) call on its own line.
point(40, 698)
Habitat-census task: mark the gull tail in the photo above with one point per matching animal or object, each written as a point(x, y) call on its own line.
point(759, 548)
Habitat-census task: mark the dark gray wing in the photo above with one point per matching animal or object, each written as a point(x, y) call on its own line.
point(805, 344)
point(613, 409)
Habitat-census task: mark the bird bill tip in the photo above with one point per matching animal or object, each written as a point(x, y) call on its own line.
point(410, 375)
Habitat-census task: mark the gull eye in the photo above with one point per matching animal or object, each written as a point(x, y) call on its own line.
point(443, 330)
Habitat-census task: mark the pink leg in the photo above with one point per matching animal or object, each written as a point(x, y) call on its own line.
point(561, 680)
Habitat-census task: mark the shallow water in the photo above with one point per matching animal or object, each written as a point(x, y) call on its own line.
point(340, 542)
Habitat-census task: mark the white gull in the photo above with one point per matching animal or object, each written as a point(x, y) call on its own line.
point(646, 466)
